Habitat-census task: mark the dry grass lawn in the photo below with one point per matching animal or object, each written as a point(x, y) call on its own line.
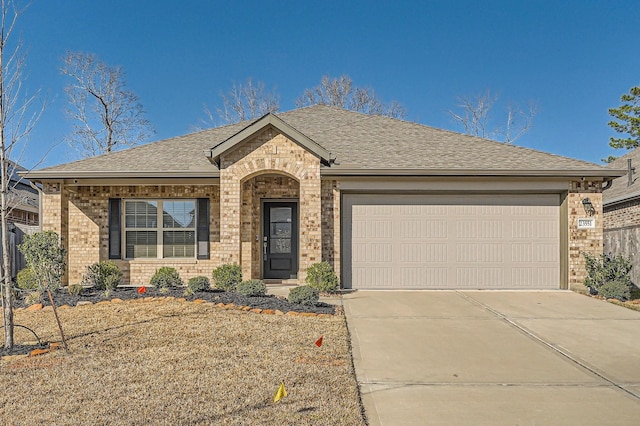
point(180, 363)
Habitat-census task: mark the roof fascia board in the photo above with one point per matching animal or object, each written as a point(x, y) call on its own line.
point(280, 125)
point(64, 174)
point(621, 199)
point(604, 174)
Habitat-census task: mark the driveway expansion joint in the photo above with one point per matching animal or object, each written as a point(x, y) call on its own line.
point(566, 354)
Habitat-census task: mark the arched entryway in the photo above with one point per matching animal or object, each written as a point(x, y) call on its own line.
point(270, 226)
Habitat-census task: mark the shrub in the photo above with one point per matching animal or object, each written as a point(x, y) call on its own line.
point(103, 275)
point(166, 277)
point(321, 277)
point(615, 290)
point(46, 258)
point(75, 289)
point(33, 297)
point(26, 279)
point(252, 288)
point(608, 272)
point(226, 277)
point(304, 295)
point(200, 283)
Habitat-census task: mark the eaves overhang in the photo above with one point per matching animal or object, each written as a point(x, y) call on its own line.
point(269, 120)
point(604, 174)
point(621, 199)
point(38, 175)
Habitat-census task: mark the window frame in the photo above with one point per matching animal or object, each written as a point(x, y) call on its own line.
point(159, 228)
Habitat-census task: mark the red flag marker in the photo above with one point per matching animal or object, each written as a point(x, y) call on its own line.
point(142, 290)
point(319, 341)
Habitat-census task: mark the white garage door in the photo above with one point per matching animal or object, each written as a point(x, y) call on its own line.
point(467, 241)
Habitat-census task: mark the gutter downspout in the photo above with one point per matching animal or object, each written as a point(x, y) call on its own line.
point(630, 172)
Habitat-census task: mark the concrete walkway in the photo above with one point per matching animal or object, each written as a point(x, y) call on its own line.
point(493, 358)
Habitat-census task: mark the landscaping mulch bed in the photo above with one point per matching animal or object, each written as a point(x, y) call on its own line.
point(167, 362)
point(62, 297)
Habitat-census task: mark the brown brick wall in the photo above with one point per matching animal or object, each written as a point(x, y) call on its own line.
point(268, 153)
point(331, 223)
point(88, 228)
point(622, 214)
point(583, 240)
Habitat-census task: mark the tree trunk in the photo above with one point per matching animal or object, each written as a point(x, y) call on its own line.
point(7, 284)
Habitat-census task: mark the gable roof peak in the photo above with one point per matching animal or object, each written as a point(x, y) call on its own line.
point(268, 120)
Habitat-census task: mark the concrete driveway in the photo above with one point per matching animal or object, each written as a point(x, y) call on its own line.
point(492, 358)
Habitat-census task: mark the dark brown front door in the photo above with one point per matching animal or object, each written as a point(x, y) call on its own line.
point(280, 240)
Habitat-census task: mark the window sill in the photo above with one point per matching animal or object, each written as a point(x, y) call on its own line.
point(169, 260)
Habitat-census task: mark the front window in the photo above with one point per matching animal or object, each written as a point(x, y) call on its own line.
point(160, 229)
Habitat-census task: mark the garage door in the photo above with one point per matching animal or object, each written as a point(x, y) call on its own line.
point(467, 241)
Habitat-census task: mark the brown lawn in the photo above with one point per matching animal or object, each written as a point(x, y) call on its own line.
point(180, 363)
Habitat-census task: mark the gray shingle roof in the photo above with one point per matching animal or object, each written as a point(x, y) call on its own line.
point(361, 144)
point(620, 190)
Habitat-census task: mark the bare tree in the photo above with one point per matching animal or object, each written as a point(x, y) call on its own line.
point(243, 102)
point(106, 115)
point(16, 122)
point(340, 92)
point(475, 116)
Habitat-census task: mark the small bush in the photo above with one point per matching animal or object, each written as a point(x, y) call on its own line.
point(615, 290)
point(75, 289)
point(33, 297)
point(45, 255)
point(304, 295)
point(200, 283)
point(103, 275)
point(26, 279)
point(252, 288)
point(321, 277)
point(227, 277)
point(609, 272)
point(166, 277)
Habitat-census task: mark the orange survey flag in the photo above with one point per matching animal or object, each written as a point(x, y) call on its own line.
point(280, 393)
point(319, 341)
point(142, 290)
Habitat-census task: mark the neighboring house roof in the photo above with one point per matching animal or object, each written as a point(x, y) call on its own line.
point(620, 190)
point(21, 194)
point(361, 145)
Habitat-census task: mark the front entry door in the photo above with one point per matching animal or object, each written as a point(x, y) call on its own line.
point(280, 240)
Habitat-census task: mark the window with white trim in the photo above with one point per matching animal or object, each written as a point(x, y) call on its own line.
point(159, 229)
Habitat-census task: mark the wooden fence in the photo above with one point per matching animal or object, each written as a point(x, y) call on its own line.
point(16, 235)
point(625, 241)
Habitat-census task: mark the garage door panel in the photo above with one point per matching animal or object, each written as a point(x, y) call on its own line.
point(476, 277)
point(445, 241)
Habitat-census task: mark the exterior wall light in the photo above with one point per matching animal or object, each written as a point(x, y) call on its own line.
point(588, 207)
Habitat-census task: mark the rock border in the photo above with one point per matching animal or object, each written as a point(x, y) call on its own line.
point(228, 306)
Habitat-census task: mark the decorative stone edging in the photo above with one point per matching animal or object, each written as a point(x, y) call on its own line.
point(229, 306)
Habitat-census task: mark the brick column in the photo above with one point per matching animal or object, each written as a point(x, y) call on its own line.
point(230, 208)
point(583, 240)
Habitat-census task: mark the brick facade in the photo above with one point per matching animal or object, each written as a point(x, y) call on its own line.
point(622, 215)
point(268, 166)
point(583, 240)
point(84, 228)
point(331, 223)
point(267, 153)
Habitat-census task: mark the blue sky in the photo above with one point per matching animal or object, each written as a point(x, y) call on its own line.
point(574, 59)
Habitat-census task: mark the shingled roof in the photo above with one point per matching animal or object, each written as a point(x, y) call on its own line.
point(620, 189)
point(361, 144)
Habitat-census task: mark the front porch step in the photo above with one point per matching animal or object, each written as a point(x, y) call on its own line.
point(290, 282)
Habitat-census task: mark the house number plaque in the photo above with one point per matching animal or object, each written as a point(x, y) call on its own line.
point(586, 222)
